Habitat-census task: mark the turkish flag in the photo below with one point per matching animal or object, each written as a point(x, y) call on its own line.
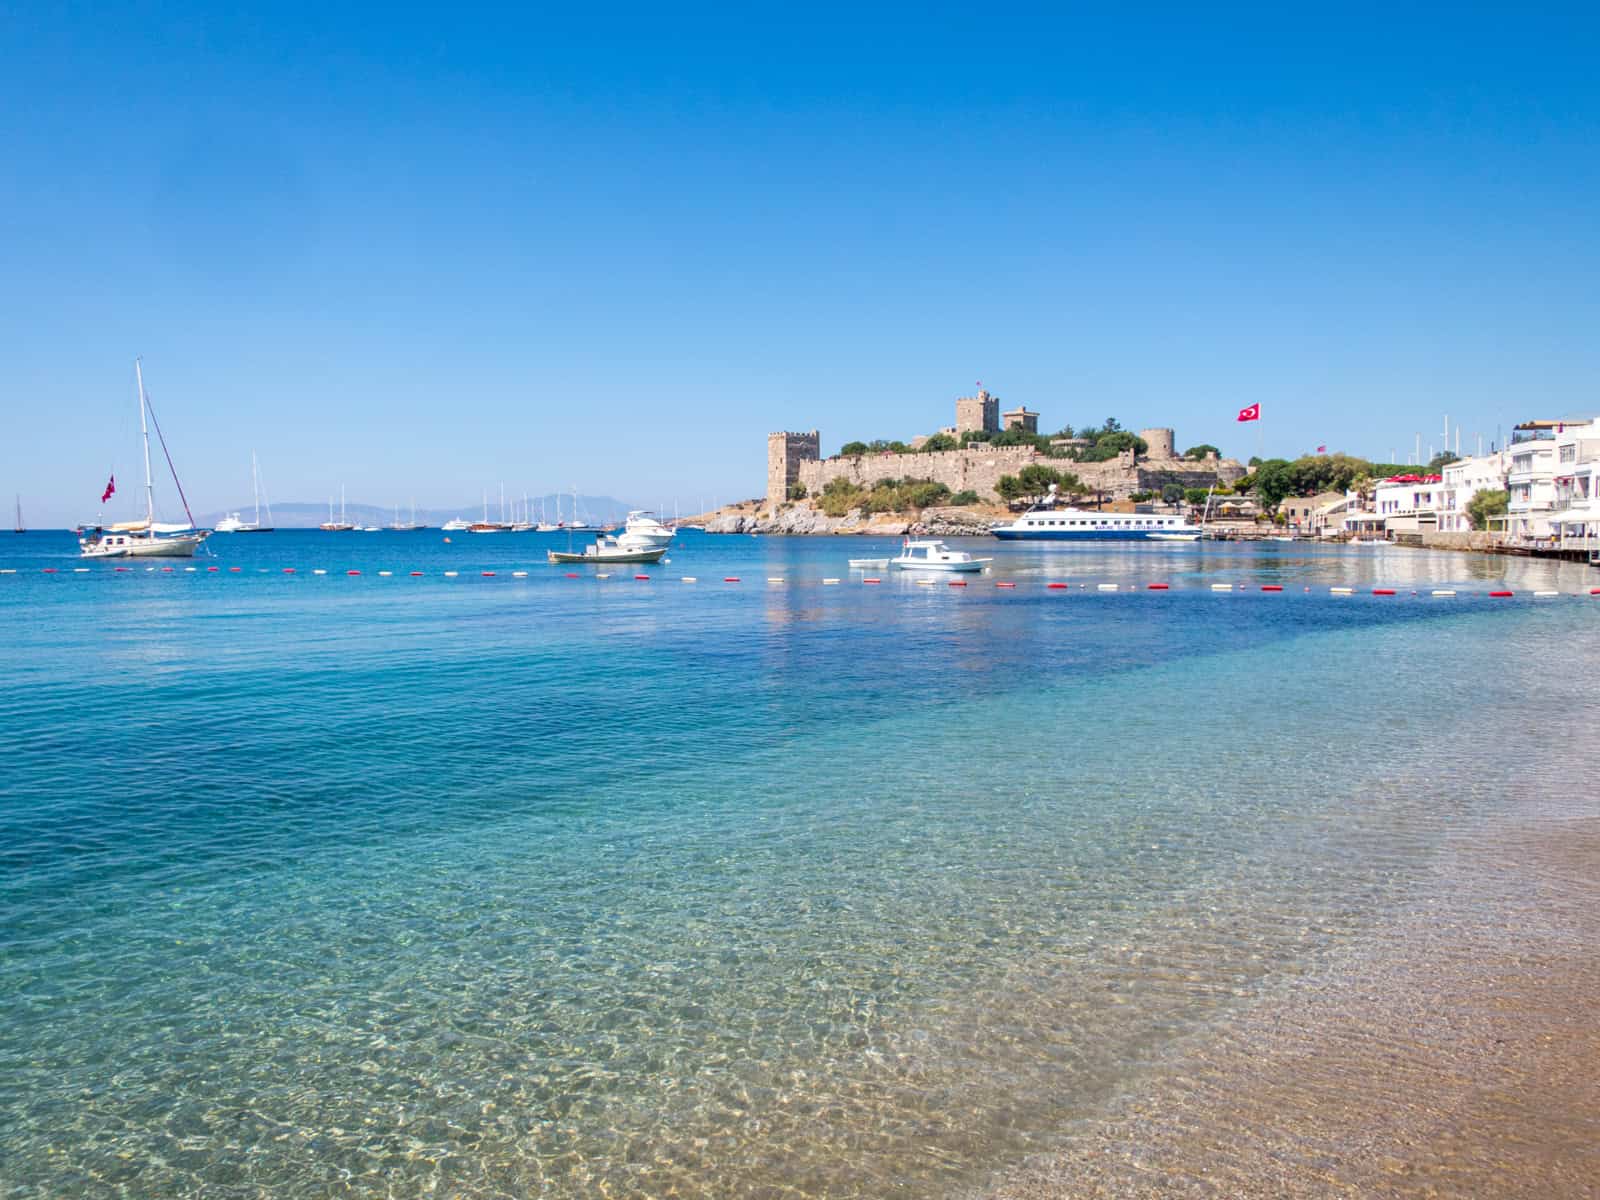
point(1253, 413)
point(111, 489)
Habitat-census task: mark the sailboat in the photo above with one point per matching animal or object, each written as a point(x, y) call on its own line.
point(486, 525)
point(577, 525)
point(232, 524)
point(341, 525)
point(405, 526)
point(146, 538)
point(19, 527)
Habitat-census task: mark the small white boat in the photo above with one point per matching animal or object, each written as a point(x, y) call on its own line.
point(1172, 537)
point(869, 562)
point(609, 550)
point(456, 525)
point(936, 556)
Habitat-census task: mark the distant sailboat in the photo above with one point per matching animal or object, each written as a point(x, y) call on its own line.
point(19, 527)
point(232, 524)
point(146, 538)
point(341, 525)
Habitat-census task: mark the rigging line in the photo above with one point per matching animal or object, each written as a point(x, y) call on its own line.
point(160, 437)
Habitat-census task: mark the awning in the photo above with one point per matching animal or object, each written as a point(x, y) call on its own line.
point(1574, 516)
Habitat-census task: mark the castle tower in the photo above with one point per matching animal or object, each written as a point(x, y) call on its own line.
point(1021, 418)
point(1160, 443)
point(785, 453)
point(978, 414)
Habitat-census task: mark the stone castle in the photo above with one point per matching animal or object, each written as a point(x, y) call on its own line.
point(797, 458)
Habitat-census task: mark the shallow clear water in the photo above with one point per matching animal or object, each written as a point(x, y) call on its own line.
point(335, 885)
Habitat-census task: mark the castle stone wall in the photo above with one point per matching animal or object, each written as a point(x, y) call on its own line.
point(979, 468)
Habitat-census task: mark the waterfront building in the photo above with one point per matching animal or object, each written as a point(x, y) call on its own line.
point(1464, 479)
point(1298, 512)
point(1575, 520)
point(1409, 503)
point(1531, 480)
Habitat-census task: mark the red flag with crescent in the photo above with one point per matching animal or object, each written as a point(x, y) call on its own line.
point(1253, 413)
point(111, 489)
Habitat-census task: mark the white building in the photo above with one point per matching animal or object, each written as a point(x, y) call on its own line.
point(1409, 503)
point(1531, 480)
point(1575, 521)
point(1464, 479)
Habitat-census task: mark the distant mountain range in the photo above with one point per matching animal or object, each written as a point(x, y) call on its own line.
point(296, 514)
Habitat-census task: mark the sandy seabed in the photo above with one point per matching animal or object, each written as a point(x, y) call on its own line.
point(1456, 1055)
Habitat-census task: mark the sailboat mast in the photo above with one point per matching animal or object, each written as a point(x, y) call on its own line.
point(144, 432)
point(255, 486)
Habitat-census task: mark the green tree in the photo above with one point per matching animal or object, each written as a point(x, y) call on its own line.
point(1195, 495)
point(964, 498)
point(1485, 504)
point(850, 449)
point(797, 490)
point(1173, 492)
point(940, 441)
point(1200, 451)
point(1274, 479)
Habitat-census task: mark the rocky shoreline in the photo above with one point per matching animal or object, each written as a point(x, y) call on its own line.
point(802, 520)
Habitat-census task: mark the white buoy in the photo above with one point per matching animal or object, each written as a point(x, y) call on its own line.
point(1342, 591)
point(1443, 592)
point(1105, 587)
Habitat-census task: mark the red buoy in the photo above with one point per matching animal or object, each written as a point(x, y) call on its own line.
point(730, 579)
point(414, 574)
point(1383, 591)
point(1272, 587)
point(352, 572)
point(872, 581)
point(1498, 594)
point(641, 577)
point(1156, 587)
point(1056, 585)
point(1005, 585)
point(572, 574)
point(958, 583)
point(288, 570)
point(233, 570)
point(488, 574)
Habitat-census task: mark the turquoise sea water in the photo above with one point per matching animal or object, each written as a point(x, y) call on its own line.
point(484, 886)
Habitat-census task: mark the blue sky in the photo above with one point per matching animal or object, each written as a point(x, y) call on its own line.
point(421, 252)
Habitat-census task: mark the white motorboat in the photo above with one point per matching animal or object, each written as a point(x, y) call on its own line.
point(147, 538)
point(643, 529)
point(457, 525)
point(609, 550)
point(936, 556)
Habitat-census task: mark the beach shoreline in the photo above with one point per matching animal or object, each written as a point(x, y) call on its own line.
point(1457, 1055)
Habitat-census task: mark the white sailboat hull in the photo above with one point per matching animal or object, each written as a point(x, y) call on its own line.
point(126, 546)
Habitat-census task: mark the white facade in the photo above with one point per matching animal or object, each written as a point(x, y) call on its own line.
point(1409, 503)
point(1575, 521)
point(1464, 479)
point(1531, 480)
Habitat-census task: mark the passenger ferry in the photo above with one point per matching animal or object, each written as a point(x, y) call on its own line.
point(1043, 523)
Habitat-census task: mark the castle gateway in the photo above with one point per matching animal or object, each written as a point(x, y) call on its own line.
point(796, 458)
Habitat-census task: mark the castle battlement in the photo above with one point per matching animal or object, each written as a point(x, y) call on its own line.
point(796, 457)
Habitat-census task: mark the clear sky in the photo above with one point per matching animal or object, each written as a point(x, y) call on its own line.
point(421, 251)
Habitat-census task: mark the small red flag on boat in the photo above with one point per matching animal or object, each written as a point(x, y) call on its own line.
point(1253, 413)
point(111, 489)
